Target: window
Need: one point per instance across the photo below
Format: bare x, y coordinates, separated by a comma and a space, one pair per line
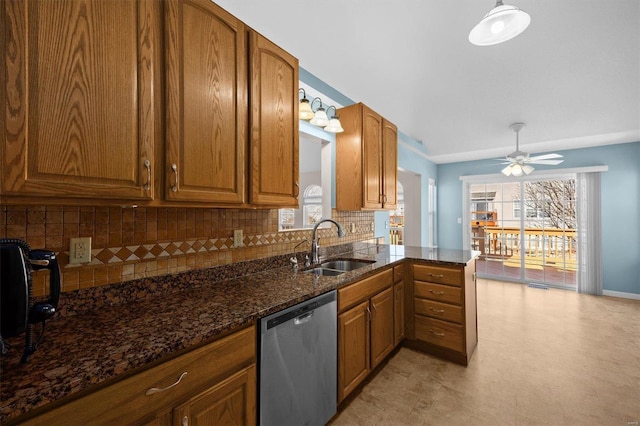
312, 205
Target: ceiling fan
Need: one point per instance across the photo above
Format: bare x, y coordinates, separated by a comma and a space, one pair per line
520, 162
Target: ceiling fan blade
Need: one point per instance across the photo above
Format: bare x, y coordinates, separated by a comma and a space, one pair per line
549, 162
500, 159
545, 157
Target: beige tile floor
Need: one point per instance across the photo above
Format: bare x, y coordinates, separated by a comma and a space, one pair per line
544, 357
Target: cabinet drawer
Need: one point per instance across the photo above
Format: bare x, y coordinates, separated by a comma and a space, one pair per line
398, 273
438, 274
357, 292
440, 333
125, 402
440, 293
439, 310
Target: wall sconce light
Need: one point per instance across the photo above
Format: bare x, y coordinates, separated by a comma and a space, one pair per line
334, 125
320, 118
304, 110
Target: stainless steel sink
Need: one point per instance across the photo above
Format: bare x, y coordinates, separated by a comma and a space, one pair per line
346, 265
324, 271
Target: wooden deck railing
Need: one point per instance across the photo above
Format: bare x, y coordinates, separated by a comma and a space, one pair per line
549, 245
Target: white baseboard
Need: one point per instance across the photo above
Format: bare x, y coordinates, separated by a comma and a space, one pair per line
622, 294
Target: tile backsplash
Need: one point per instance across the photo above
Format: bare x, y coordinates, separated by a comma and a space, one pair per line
133, 243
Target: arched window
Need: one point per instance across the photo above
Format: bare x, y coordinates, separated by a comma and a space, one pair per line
312, 205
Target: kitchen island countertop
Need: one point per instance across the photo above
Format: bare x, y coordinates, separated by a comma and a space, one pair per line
97, 347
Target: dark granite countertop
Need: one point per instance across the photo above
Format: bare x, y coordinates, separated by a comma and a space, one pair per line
81, 349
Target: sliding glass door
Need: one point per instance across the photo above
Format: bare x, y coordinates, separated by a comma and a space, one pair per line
525, 230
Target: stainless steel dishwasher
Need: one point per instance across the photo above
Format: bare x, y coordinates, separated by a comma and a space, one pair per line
298, 364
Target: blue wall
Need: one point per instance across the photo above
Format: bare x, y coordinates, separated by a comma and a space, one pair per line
620, 207
408, 158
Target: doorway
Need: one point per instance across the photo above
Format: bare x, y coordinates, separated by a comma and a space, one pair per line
409, 211
525, 230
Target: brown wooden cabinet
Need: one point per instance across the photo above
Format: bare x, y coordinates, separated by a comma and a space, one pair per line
273, 124
214, 384
80, 100
366, 160
84, 116
398, 304
444, 308
206, 86
365, 329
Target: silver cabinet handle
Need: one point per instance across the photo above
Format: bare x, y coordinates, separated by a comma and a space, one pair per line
435, 333
375, 311
369, 312
185, 421
439, 293
174, 167
437, 311
297, 189
147, 165
436, 275
158, 390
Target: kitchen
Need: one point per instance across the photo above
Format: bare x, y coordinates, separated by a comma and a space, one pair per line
159, 213
147, 231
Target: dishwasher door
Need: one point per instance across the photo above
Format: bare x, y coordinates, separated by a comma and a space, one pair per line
298, 364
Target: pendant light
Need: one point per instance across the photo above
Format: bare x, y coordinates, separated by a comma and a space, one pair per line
502, 23
334, 125
320, 118
304, 110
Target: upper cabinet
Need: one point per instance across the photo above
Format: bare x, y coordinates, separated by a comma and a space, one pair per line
366, 160
206, 86
94, 110
274, 124
80, 114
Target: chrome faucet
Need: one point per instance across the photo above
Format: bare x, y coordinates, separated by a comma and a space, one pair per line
314, 239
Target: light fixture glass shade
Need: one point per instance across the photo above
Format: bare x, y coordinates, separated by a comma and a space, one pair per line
304, 110
502, 23
516, 169
320, 118
334, 125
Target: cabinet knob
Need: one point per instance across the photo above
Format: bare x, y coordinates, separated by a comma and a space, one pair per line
174, 187
147, 165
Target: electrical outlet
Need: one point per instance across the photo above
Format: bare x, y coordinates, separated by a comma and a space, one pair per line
373, 226
237, 238
353, 228
80, 250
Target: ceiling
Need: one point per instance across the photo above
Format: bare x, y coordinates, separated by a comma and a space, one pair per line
573, 76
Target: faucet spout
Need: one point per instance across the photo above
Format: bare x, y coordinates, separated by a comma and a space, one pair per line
314, 240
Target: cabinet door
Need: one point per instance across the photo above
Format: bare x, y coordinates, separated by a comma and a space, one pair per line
382, 332
79, 98
353, 348
389, 165
372, 159
206, 103
274, 125
398, 312
231, 402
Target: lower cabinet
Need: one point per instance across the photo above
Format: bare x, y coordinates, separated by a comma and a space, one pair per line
444, 308
214, 384
398, 303
365, 329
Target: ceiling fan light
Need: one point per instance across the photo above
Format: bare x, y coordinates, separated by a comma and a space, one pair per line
502, 23
516, 170
527, 169
507, 170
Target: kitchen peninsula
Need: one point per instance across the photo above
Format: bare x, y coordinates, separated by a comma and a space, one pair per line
105, 336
